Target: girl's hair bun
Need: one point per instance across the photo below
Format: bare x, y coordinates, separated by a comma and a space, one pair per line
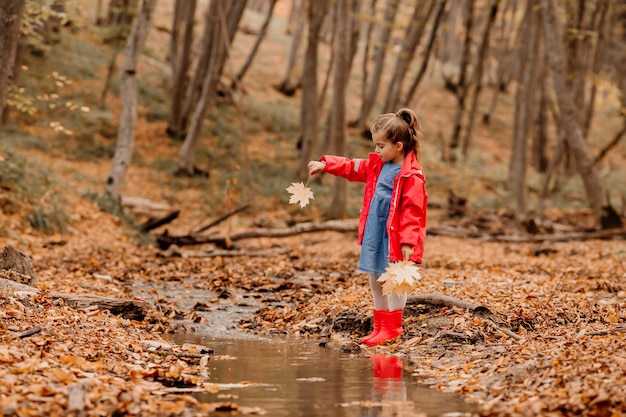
407, 115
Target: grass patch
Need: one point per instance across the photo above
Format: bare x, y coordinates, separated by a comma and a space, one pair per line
29, 188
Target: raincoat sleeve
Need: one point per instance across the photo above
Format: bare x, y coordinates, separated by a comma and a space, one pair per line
354, 170
412, 227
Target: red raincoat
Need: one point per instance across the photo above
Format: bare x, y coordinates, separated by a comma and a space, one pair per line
406, 224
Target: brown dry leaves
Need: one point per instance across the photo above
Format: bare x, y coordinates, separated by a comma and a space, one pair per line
565, 308
83, 360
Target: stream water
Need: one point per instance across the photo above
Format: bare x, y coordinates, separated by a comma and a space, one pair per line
294, 378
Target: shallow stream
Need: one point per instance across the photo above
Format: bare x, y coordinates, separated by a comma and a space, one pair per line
295, 378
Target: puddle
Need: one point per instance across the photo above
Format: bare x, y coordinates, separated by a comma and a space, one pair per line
294, 378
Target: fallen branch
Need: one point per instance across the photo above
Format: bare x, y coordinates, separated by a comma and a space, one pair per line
130, 309
154, 223
563, 237
617, 329
445, 300
220, 219
165, 240
27, 333
476, 309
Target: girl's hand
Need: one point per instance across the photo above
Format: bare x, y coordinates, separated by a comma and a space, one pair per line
407, 251
315, 167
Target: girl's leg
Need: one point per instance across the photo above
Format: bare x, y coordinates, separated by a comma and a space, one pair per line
381, 302
397, 302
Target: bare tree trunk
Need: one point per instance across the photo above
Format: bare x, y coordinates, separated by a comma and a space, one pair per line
413, 35
288, 86
523, 111
121, 12
539, 159
434, 31
128, 117
180, 60
224, 26
337, 119
10, 18
460, 87
478, 76
316, 11
598, 26
604, 215
98, 19
621, 68
508, 30
366, 37
107, 79
384, 34
266, 23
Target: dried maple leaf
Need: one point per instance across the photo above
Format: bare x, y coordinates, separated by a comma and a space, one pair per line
300, 194
399, 277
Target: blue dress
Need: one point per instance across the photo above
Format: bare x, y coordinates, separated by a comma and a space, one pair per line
375, 245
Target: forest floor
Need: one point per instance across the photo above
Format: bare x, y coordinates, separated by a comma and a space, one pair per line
542, 332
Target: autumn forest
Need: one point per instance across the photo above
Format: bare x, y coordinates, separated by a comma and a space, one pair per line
148, 146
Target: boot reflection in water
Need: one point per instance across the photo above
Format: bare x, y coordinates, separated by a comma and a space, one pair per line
388, 388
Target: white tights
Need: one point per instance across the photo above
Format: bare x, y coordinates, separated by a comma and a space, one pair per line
385, 302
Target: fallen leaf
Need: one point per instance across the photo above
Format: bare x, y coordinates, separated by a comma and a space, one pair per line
300, 194
399, 277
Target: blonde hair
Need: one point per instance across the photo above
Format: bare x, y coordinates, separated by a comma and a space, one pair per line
401, 126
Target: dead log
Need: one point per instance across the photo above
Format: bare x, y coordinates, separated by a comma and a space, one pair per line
616, 329
165, 240
28, 332
444, 300
129, 309
158, 222
16, 266
476, 309
220, 219
563, 237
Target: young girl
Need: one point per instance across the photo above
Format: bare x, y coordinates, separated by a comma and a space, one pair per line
392, 224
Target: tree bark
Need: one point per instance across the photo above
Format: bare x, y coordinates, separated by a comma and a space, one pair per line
244, 68
460, 86
10, 18
180, 60
434, 31
478, 75
316, 10
384, 34
224, 26
288, 86
525, 99
503, 57
126, 130
413, 35
337, 115
569, 118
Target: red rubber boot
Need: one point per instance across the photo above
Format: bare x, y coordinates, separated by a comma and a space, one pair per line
391, 328
378, 317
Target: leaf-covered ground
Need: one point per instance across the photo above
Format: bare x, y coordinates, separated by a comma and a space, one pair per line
553, 343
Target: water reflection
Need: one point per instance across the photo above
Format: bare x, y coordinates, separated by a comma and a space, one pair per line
389, 391
292, 378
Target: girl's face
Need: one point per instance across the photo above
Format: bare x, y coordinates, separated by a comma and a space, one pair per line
387, 150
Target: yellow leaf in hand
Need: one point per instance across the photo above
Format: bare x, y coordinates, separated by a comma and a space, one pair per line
300, 194
399, 277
